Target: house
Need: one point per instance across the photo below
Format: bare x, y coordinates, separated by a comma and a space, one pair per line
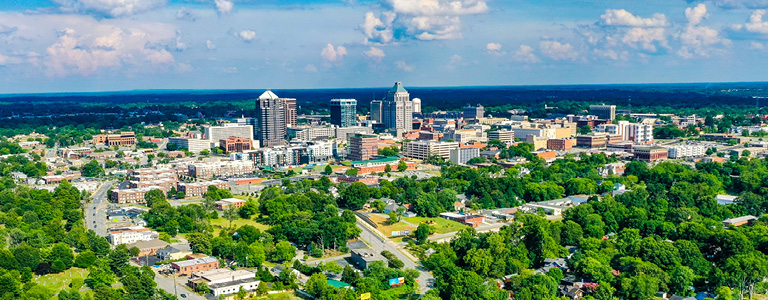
726, 199
173, 253
187, 267
364, 257
224, 204
467, 219
736, 222
224, 281
458, 206
148, 247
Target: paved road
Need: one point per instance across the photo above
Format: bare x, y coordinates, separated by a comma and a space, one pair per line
166, 283
379, 243
327, 259
96, 211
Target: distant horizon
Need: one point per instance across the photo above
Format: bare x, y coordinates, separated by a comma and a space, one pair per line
150, 91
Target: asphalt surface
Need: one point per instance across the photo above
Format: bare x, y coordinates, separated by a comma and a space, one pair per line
379, 243
96, 211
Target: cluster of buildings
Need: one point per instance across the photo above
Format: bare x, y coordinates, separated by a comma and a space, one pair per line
141, 181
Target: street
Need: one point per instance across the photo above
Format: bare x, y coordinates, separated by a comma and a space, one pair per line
96, 211
379, 244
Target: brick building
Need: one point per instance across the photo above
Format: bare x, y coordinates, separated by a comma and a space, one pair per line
197, 189
651, 154
560, 144
363, 146
122, 139
235, 144
187, 267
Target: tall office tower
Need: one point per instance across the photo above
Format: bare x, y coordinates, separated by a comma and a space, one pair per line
376, 110
603, 112
363, 146
416, 105
397, 109
270, 119
344, 112
290, 111
474, 112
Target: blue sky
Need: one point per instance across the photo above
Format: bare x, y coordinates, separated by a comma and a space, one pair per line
103, 45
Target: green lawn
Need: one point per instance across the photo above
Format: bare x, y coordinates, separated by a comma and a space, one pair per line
386, 228
57, 282
440, 226
242, 197
222, 223
400, 292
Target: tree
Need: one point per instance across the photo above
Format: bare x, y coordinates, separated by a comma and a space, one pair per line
328, 170
202, 288
393, 217
317, 284
205, 152
249, 209
284, 251
263, 289
387, 168
682, 281
63, 252
422, 232
154, 196
355, 195
231, 214
200, 242
85, 259
584, 130
92, 169
389, 151
402, 166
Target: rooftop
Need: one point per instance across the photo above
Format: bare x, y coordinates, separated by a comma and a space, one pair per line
268, 95
197, 261
398, 88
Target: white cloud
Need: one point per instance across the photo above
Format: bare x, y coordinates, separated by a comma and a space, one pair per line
229, 70
612, 54
110, 8
247, 35
456, 59
756, 23
420, 19
224, 7
331, 53
731, 4
401, 65
86, 54
558, 51
210, 45
378, 29
493, 47
696, 14
185, 14
375, 53
525, 54
648, 38
310, 68
621, 17
756, 46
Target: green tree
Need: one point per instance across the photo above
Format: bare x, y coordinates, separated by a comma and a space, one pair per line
584, 130
328, 170
402, 166
284, 251
422, 232
317, 285
92, 169
681, 281
63, 253
355, 195
231, 214
154, 196
387, 168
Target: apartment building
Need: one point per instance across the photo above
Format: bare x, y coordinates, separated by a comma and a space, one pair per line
682, 151
191, 144
197, 189
424, 149
363, 147
220, 169
461, 156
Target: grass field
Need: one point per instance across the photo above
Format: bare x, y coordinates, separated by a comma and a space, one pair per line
399, 293
57, 282
440, 226
223, 223
387, 229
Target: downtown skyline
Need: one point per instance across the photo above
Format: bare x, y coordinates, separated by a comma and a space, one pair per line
103, 45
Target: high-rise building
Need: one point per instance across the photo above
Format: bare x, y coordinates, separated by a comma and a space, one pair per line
270, 119
474, 112
603, 112
376, 111
363, 146
416, 105
217, 133
344, 112
397, 109
290, 111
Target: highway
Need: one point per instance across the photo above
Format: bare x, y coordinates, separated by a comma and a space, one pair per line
96, 211
379, 243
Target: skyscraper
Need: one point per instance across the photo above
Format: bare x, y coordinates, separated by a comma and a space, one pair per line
376, 110
290, 111
271, 112
473, 112
344, 112
397, 109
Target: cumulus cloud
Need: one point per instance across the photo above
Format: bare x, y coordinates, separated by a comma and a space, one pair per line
621, 17
331, 53
85, 54
525, 54
401, 65
185, 14
224, 7
210, 45
310, 68
756, 23
647, 38
558, 51
696, 39
374, 53
419, 19
493, 47
247, 36
110, 8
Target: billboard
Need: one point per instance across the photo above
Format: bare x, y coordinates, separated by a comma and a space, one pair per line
397, 281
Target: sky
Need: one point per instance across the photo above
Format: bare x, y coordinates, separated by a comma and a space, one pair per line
107, 45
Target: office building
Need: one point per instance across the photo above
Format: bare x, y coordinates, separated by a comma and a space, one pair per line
416, 105
187, 267
291, 119
424, 149
474, 112
192, 145
641, 133
122, 139
208, 170
460, 156
227, 130
344, 112
560, 144
397, 110
346, 132
592, 140
603, 112
235, 144
271, 112
309, 133
681, 151
363, 146
650, 154
223, 282
505, 136
376, 111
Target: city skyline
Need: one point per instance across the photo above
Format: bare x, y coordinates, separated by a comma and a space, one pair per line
100, 45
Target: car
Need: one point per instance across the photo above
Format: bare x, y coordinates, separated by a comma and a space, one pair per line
183, 295
94, 221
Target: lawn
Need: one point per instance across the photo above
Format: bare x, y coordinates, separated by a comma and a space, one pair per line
57, 282
400, 292
243, 197
386, 228
223, 223
440, 226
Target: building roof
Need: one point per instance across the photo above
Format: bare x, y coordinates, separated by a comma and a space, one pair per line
149, 244
338, 284
197, 261
232, 283
398, 88
740, 219
268, 95
379, 160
